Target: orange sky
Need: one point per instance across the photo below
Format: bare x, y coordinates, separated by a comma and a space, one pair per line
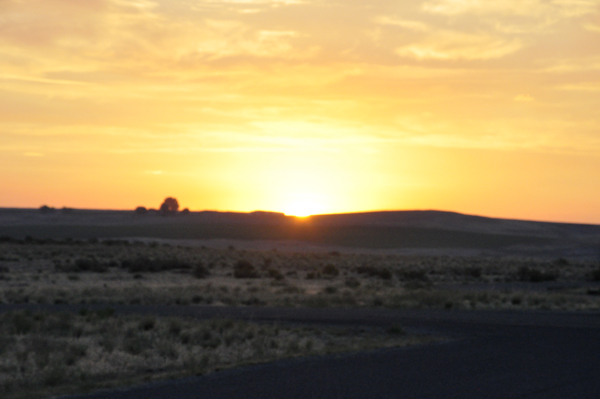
475, 106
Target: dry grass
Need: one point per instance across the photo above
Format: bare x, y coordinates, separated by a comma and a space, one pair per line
43, 354
118, 272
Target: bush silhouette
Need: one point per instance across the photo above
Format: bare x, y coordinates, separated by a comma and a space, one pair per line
45, 209
141, 210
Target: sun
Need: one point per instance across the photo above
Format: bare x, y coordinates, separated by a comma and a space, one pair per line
303, 205
300, 209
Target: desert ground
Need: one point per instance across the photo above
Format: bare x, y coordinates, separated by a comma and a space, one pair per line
124, 272
44, 353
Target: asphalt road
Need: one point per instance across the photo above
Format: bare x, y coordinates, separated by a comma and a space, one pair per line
492, 355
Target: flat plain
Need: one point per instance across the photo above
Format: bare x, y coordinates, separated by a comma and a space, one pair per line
156, 261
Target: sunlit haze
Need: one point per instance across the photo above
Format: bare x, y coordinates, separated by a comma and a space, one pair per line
303, 107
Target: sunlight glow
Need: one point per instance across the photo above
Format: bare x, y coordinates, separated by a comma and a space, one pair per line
303, 205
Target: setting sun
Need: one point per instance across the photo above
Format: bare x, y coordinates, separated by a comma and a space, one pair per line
299, 210
302, 205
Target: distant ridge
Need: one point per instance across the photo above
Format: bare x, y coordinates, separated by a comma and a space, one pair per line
455, 221
380, 229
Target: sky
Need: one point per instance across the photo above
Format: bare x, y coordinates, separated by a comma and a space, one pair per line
303, 107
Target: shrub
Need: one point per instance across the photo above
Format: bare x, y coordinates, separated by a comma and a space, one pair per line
54, 374
330, 290
147, 324
45, 209
396, 330
352, 283
385, 274
276, 274
534, 275
330, 270
22, 323
244, 269
144, 264
368, 270
136, 345
105, 313
89, 265
141, 210
473, 271
200, 271
372, 271
414, 275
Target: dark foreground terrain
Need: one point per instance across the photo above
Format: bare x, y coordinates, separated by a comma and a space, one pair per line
490, 355
161, 297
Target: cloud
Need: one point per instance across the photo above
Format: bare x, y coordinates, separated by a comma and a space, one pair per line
258, 2
533, 8
406, 24
592, 27
523, 98
227, 38
450, 45
454, 7
582, 87
131, 40
571, 65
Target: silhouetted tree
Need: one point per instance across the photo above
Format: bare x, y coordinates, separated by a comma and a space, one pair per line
169, 206
186, 211
141, 210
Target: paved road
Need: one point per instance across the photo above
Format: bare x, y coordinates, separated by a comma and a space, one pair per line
506, 355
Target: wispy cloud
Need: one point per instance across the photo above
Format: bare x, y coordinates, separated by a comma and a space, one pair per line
592, 27
403, 23
523, 98
449, 45
535, 8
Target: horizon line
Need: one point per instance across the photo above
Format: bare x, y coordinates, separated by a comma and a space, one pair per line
5, 208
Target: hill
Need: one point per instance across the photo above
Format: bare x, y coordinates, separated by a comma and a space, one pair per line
374, 230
